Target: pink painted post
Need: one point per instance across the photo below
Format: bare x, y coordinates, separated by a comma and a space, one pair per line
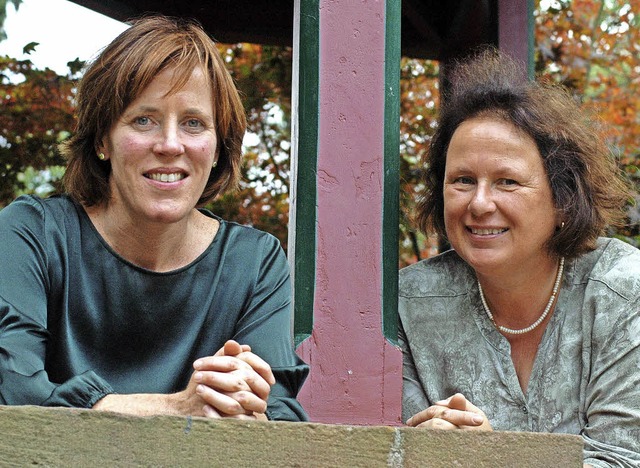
356, 374
515, 28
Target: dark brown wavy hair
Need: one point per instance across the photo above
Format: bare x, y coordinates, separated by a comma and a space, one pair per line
119, 75
589, 190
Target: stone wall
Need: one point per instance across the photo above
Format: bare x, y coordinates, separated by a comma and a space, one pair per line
73, 437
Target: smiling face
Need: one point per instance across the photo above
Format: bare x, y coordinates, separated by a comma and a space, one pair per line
161, 150
498, 205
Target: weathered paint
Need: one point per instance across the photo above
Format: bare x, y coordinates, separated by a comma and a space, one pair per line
355, 372
345, 200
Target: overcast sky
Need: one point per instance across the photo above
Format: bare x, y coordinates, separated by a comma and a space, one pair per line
65, 31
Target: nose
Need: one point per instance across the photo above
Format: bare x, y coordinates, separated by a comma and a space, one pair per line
169, 143
482, 200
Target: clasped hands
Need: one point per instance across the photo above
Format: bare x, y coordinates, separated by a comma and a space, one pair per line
233, 383
456, 412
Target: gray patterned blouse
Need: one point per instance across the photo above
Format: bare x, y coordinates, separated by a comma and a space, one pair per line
586, 375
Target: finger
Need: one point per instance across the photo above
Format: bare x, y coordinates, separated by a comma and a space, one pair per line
249, 401
259, 365
437, 423
462, 418
222, 381
425, 415
458, 402
245, 361
210, 412
231, 403
231, 348
220, 363
245, 379
244, 416
455, 398
256, 383
219, 401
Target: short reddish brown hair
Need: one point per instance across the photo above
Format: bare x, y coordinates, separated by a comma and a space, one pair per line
118, 76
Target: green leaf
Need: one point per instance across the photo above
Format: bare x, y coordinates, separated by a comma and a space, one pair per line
75, 66
30, 47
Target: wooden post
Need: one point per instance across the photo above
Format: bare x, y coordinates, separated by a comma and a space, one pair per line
515, 30
344, 219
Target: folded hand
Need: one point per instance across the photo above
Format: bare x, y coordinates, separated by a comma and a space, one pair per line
456, 412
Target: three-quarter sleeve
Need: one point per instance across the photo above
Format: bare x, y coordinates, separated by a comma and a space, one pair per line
414, 398
612, 400
265, 325
26, 281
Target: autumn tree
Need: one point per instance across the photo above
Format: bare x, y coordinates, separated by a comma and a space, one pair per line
263, 77
37, 114
420, 98
593, 48
590, 46
3, 14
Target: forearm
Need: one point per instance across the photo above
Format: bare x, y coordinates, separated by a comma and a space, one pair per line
144, 404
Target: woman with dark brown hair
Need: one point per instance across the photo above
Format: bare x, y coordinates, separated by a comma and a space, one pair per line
532, 321
122, 294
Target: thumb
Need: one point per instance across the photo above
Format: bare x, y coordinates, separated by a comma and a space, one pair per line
233, 348
458, 402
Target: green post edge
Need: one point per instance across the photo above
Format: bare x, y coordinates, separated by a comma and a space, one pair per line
391, 201
306, 182
531, 65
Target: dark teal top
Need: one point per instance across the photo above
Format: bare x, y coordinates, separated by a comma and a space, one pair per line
78, 321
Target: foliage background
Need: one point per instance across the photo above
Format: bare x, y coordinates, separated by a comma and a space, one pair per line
590, 46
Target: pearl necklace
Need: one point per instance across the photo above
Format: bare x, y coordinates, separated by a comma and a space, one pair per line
521, 331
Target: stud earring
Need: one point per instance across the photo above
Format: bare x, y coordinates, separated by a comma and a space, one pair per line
215, 163
101, 156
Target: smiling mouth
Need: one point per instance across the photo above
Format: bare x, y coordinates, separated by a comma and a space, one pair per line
166, 177
487, 232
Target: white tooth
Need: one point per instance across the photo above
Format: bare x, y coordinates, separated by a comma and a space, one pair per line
167, 177
484, 232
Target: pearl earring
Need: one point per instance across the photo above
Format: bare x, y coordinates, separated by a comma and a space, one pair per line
215, 163
101, 156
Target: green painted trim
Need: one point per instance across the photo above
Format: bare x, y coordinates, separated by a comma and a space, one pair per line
531, 25
391, 201
306, 180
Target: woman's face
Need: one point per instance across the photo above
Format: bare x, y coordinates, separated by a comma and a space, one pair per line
162, 149
498, 204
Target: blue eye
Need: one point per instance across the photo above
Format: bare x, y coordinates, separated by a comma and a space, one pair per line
142, 120
193, 123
